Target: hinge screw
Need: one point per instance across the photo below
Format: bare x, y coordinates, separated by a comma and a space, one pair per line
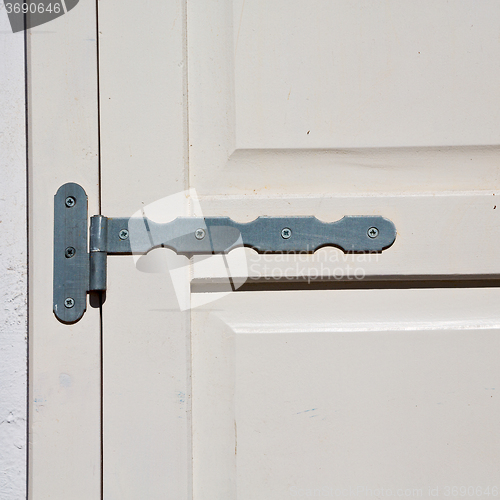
199, 234
69, 252
69, 302
123, 234
286, 232
70, 201
372, 232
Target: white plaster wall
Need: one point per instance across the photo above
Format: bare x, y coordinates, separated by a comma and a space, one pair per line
13, 265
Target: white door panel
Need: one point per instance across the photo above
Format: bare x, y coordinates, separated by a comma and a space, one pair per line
282, 88
330, 108
284, 108
146, 427
319, 390
64, 378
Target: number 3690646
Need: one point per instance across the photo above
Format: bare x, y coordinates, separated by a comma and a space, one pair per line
33, 8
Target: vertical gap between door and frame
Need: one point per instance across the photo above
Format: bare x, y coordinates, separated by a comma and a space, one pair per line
26, 130
99, 179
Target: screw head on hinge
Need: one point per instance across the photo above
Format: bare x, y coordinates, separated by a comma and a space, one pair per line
372, 232
286, 232
69, 302
123, 234
199, 234
69, 252
70, 201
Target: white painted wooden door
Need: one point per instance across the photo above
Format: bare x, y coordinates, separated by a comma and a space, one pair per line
325, 108
346, 393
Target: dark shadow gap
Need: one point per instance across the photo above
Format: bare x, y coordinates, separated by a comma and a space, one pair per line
26, 132
284, 284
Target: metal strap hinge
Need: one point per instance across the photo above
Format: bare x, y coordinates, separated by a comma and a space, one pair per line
78, 270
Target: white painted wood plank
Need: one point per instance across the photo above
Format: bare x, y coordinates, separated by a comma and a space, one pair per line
361, 74
343, 96
147, 449
319, 390
367, 171
365, 130
65, 458
437, 234
13, 265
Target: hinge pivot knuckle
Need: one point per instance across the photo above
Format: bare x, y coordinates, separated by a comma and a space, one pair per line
98, 253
